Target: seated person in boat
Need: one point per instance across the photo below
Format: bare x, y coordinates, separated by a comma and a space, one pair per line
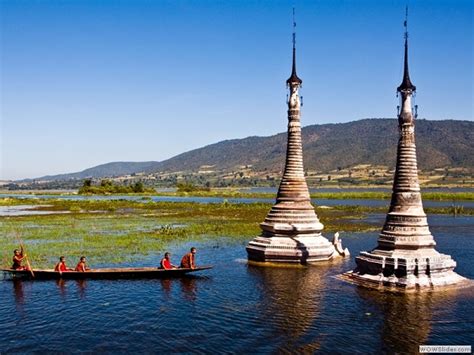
61, 266
18, 257
187, 261
166, 262
81, 265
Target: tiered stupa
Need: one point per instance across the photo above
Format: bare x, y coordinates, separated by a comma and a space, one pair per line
291, 231
405, 257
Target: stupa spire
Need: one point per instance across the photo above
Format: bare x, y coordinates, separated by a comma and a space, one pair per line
405, 256
291, 231
406, 82
293, 79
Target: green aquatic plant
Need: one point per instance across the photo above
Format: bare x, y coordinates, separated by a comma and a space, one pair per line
338, 195
117, 231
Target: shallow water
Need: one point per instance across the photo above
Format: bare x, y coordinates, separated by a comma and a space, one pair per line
358, 189
25, 210
238, 308
316, 201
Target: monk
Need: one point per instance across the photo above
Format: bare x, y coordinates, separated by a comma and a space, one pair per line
187, 261
81, 265
166, 262
61, 266
18, 257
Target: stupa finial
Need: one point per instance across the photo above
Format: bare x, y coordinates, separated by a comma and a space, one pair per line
406, 84
293, 79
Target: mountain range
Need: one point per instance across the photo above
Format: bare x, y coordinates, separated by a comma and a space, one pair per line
446, 143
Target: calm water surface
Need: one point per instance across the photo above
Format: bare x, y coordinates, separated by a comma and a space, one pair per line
358, 189
317, 201
240, 308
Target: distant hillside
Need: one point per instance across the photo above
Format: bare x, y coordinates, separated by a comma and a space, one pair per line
104, 170
329, 146
326, 147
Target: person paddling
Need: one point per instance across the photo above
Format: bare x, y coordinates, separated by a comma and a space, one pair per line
18, 257
166, 262
61, 266
187, 262
81, 265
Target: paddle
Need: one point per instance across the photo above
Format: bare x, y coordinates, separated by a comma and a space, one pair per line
24, 252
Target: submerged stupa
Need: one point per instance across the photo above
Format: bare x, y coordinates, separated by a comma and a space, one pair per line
291, 231
405, 257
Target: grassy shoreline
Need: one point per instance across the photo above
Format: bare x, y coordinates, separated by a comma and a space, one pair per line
118, 231
232, 193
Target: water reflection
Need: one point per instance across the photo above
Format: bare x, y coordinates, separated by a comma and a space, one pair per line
187, 285
61, 287
189, 288
18, 294
166, 285
291, 302
407, 318
81, 288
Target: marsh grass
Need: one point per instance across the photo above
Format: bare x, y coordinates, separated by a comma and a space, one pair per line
123, 231
339, 195
117, 231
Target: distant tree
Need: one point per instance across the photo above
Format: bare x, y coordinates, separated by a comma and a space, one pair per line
138, 187
87, 183
105, 182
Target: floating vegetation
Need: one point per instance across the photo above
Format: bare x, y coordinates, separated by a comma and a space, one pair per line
128, 231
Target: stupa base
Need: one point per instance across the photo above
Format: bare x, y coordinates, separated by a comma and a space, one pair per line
298, 249
420, 271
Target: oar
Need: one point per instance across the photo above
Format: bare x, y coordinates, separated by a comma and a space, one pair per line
26, 256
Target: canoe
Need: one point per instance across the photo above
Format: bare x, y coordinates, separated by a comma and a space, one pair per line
107, 273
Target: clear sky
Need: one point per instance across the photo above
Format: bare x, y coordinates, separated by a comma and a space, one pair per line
90, 82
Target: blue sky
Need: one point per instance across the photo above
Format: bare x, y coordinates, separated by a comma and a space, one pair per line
89, 82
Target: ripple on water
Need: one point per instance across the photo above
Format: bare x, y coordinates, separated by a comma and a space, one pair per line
237, 308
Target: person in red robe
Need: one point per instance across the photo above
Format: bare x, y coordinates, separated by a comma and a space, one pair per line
61, 266
166, 262
81, 265
18, 257
187, 262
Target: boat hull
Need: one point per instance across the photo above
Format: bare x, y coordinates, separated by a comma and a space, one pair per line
99, 274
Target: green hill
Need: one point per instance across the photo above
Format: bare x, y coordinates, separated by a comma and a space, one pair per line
330, 146
447, 143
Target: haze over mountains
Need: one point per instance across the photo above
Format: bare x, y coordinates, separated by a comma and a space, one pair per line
447, 143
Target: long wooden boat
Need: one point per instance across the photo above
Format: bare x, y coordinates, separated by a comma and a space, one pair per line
107, 273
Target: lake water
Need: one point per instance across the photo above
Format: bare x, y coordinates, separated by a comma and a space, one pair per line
358, 189
237, 308
317, 202
25, 210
